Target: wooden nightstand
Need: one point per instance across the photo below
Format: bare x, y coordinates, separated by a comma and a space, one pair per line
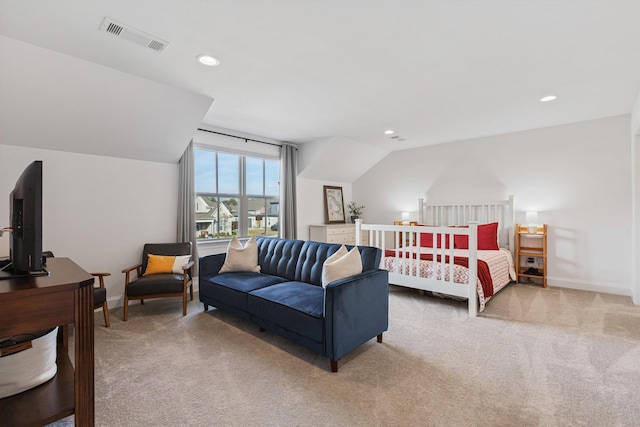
531, 255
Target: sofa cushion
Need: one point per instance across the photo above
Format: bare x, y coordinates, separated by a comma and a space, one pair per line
156, 284
159, 264
341, 264
233, 288
312, 258
370, 257
241, 258
170, 249
296, 306
179, 262
487, 238
313, 255
337, 255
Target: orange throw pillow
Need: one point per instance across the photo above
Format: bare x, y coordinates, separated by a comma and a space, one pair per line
158, 264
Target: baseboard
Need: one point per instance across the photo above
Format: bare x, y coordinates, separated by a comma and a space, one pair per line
585, 285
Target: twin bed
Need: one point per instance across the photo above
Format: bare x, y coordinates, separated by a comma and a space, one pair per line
449, 244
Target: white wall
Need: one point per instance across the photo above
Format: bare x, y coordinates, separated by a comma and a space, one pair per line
635, 252
577, 176
334, 157
635, 179
98, 211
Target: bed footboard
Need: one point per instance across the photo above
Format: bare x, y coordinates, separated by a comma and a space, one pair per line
406, 271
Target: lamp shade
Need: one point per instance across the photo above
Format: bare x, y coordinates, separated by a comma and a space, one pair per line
531, 217
405, 217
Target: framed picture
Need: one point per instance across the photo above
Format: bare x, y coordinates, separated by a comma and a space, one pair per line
333, 205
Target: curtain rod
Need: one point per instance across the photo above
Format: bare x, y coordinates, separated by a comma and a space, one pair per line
245, 139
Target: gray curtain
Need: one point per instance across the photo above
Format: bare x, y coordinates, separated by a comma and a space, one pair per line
186, 204
288, 172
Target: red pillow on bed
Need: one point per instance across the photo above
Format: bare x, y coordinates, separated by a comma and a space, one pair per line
426, 240
487, 238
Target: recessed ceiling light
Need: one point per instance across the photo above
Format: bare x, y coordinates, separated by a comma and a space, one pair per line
208, 60
388, 132
548, 98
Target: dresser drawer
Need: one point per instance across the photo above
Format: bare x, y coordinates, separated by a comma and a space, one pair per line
345, 239
334, 231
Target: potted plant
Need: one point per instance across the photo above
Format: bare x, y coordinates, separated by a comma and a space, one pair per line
354, 210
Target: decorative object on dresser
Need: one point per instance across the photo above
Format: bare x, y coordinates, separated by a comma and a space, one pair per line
531, 254
477, 236
337, 233
333, 205
355, 211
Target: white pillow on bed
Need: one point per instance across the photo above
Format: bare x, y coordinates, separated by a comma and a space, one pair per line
241, 258
341, 264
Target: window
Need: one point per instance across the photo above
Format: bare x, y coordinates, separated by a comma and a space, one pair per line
236, 195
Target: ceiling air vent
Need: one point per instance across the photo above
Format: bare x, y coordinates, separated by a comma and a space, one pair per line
136, 36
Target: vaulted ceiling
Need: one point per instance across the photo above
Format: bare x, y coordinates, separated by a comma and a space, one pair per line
300, 71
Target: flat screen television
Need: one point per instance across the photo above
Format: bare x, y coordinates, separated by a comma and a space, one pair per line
25, 212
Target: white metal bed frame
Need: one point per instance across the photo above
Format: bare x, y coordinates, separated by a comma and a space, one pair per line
439, 218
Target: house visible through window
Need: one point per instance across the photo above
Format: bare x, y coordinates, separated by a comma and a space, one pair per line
236, 195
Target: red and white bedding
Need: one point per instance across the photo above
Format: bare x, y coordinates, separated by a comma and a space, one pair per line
499, 262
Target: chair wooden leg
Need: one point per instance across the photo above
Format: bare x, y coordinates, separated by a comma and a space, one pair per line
206, 307
191, 291
125, 316
184, 303
105, 311
380, 338
334, 365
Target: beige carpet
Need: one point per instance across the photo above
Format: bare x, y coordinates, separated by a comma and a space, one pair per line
535, 357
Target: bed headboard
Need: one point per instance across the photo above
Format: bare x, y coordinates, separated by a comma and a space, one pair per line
444, 214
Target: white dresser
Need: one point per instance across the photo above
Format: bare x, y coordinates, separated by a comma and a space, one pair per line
337, 233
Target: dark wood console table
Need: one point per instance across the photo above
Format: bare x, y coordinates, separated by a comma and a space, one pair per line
63, 297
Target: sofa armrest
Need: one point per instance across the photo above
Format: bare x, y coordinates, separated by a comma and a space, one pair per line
211, 264
356, 310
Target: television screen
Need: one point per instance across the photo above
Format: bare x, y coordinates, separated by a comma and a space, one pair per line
25, 207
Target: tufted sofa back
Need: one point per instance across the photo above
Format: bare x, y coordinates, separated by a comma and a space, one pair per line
302, 261
278, 257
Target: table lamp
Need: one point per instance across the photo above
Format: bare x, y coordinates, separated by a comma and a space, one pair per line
531, 217
405, 218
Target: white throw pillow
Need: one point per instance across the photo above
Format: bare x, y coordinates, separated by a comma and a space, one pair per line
241, 258
178, 262
335, 268
342, 251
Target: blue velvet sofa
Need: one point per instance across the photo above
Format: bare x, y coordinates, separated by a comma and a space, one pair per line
287, 297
